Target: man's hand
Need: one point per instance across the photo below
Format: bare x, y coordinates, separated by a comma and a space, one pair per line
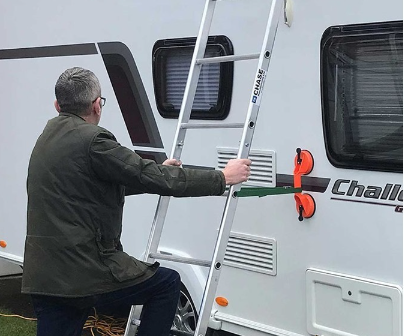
237, 171
172, 162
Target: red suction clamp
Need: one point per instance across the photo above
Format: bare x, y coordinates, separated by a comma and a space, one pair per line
305, 204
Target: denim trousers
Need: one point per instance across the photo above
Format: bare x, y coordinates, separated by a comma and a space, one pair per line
159, 296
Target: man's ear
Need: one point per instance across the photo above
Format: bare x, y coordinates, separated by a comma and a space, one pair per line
57, 107
97, 107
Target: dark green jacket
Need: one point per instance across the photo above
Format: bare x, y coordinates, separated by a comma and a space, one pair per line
76, 184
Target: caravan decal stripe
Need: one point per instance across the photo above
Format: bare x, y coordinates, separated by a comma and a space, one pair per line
130, 94
125, 80
317, 184
49, 51
159, 157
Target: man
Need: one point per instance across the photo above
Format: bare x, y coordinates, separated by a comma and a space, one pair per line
78, 176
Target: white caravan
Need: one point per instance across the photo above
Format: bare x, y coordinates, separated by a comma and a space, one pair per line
334, 88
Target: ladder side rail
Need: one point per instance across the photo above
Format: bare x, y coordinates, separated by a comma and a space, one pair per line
157, 227
130, 330
184, 116
217, 262
263, 63
133, 320
193, 78
231, 202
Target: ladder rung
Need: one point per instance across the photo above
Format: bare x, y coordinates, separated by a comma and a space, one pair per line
230, 58
174, 332
210, 125
182, 260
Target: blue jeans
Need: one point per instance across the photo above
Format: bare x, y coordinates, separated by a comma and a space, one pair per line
159, 296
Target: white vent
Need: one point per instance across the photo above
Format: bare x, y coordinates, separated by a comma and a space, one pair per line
263, 167
251, 253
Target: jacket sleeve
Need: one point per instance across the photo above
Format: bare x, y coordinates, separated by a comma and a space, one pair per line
117, 164
131, 191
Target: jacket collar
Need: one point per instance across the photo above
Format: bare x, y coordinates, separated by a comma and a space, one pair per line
69, 114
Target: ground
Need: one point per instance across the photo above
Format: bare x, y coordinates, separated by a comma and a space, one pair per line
13, 302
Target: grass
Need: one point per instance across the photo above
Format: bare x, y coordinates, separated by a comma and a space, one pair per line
13, 302
15, 326
12, 326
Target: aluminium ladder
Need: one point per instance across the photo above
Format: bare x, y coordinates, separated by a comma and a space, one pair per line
245, 144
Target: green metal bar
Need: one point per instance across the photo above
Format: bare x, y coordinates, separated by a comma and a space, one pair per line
261, 192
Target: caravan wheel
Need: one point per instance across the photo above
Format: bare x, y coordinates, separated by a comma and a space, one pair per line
186, 316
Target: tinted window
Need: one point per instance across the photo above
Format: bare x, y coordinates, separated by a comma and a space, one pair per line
171, 63
362, 92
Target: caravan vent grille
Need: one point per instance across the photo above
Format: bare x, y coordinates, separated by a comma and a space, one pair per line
251, 253
262, 167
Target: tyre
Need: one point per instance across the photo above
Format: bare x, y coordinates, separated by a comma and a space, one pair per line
186, 316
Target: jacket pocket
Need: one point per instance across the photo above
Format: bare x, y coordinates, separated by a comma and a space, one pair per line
123, 267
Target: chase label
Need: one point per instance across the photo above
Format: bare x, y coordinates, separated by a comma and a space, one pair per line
258, 86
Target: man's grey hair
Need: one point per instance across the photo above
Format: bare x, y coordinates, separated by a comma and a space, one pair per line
76, 89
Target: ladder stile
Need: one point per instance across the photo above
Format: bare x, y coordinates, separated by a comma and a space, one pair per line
157, 228
184, 116
245, 145
244, 150
193, 77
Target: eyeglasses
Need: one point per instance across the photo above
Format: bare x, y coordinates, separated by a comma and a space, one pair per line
102, 101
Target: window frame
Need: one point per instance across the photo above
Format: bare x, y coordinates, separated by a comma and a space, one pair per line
355, 30
222, 109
